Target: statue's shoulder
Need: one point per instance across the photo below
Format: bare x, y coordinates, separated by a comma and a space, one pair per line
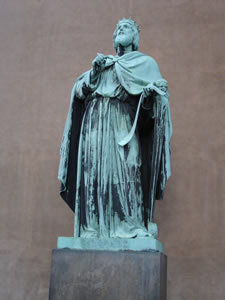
148, 58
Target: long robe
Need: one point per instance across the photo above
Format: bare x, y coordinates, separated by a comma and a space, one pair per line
112, 179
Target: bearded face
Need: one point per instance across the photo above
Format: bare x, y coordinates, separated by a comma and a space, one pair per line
125, 34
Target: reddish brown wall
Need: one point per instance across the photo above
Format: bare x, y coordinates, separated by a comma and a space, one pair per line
44, 46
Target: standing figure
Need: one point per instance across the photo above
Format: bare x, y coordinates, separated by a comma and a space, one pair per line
115, 153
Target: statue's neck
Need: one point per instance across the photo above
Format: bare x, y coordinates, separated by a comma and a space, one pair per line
121, 50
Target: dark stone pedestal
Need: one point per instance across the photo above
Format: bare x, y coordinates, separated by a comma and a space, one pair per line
119, 275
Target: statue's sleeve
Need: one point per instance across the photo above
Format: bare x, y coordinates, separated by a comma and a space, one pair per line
159, 93
84, 86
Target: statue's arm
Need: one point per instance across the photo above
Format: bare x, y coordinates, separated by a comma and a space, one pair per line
85, 86
157, 90
88, 82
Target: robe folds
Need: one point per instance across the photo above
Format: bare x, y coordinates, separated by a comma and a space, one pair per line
115, 151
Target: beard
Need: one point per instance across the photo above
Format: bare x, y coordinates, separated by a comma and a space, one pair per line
124, 39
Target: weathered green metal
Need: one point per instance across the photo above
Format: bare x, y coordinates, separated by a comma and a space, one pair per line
112, 152
141, 244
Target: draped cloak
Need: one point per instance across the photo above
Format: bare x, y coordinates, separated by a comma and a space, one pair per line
134, 72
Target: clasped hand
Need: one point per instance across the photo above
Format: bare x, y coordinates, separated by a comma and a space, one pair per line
159, 86
98, 65
147, 91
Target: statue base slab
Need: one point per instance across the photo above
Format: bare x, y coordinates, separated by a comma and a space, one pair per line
136, 244
119, 275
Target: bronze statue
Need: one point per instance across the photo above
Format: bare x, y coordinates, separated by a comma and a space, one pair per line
115, 153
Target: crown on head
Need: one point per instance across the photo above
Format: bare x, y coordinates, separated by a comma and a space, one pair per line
131, 22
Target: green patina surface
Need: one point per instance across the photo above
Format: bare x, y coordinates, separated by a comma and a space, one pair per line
142, 244
109, 202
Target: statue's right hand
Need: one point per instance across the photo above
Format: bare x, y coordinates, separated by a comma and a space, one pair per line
98, 64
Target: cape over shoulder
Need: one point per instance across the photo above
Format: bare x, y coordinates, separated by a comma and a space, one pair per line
135, 71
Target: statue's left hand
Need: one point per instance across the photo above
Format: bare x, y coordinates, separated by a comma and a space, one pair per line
148, 91
159, 86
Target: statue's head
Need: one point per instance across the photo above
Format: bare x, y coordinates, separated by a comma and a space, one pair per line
126, 33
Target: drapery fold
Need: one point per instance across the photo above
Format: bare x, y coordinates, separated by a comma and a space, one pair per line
134, 71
